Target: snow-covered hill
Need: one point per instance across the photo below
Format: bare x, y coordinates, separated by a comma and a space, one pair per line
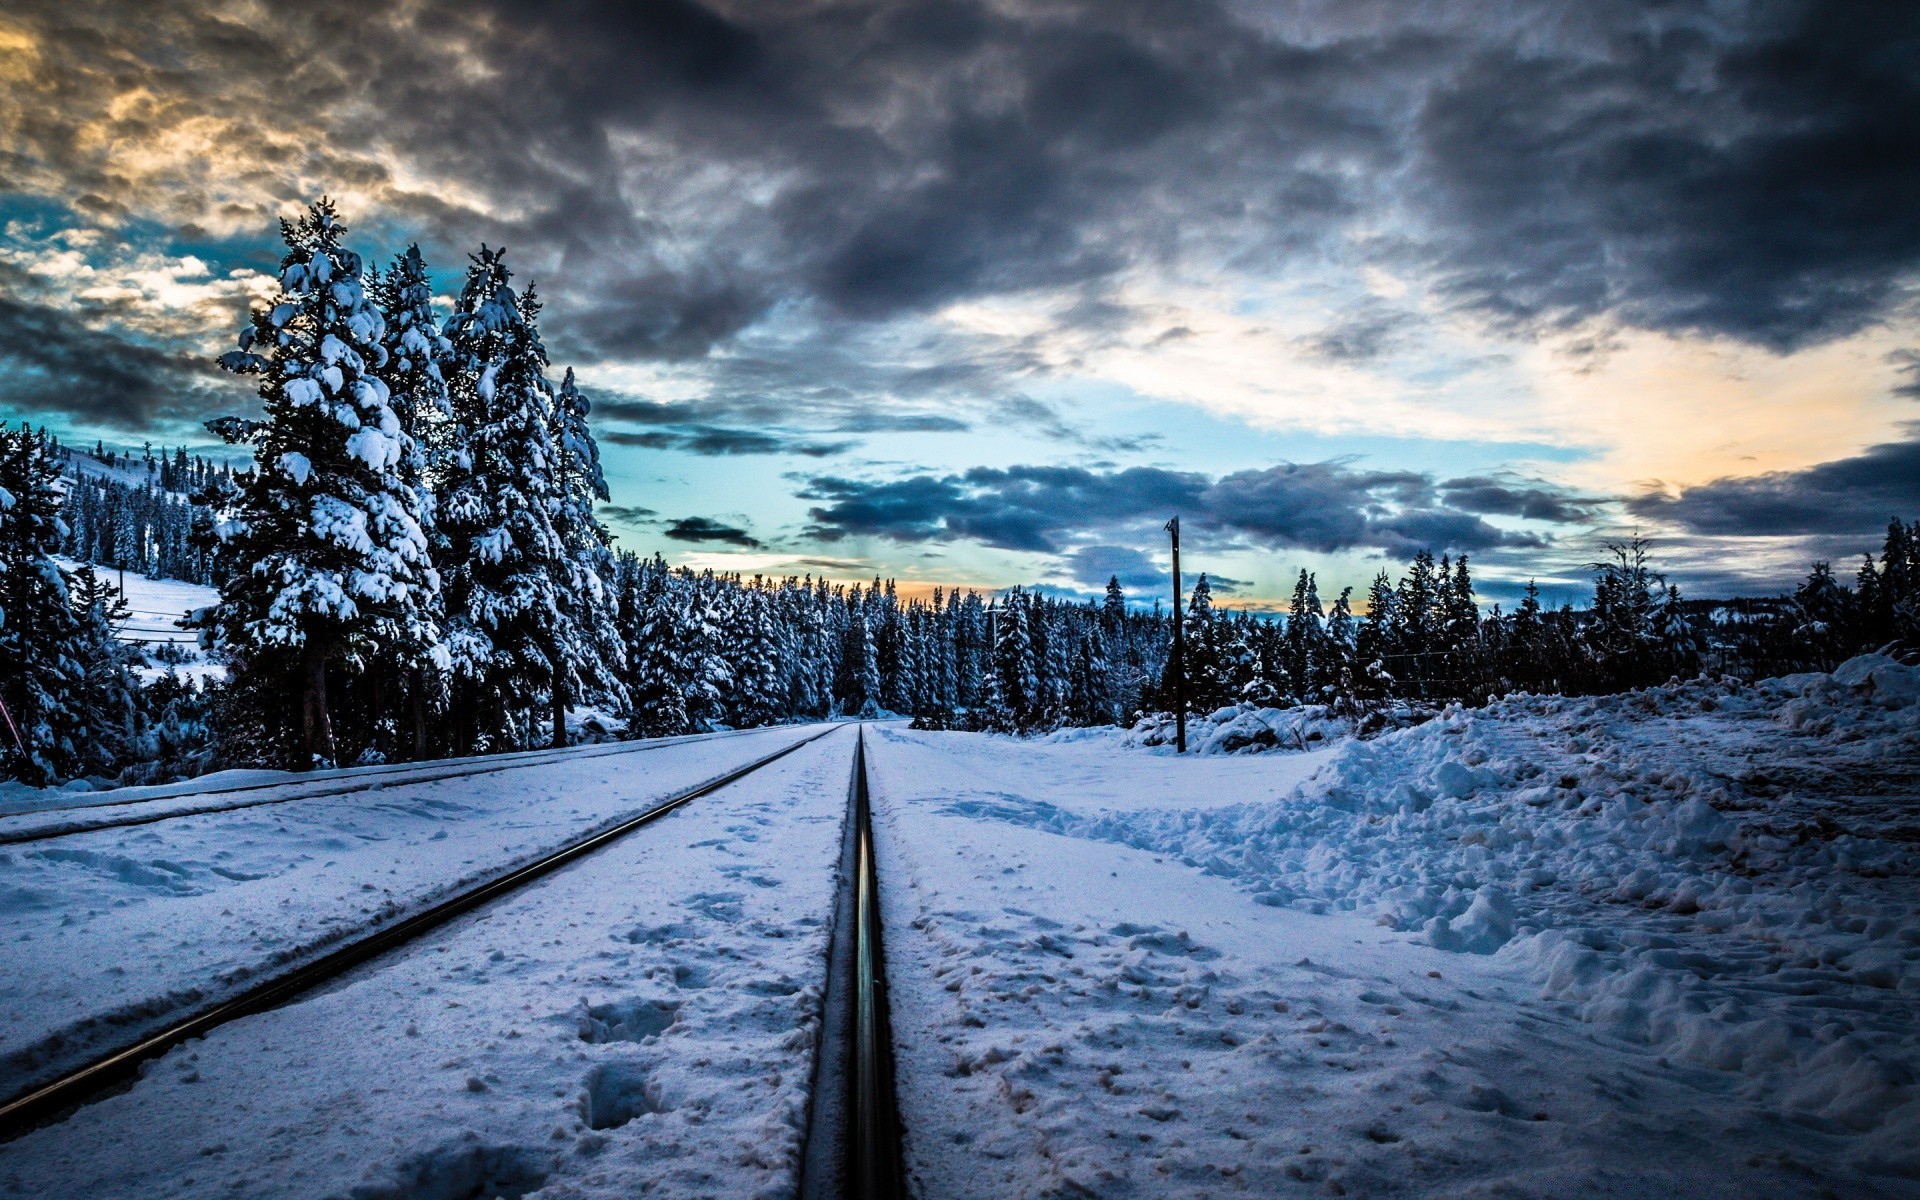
158, 605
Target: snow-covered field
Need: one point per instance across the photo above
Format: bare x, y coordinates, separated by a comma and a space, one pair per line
1662, 944
1659, 944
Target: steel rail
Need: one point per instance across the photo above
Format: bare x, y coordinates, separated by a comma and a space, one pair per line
27, 1110
374, 779
852, 1149
876, 1173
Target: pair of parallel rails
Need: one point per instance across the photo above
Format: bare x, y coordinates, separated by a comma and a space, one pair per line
853, 1147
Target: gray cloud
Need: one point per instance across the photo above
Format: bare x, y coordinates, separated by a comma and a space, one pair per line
50, 360
1361, 334
706, 529
1533, 499
714, 440
1678, 172
1314, 506
628, 514
1849, 496
1136, 571
778, 182
1908, 364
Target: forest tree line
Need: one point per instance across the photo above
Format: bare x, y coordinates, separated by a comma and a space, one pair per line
412, 568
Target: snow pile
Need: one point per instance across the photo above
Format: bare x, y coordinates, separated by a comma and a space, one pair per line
1727, 873
589, 725
1249, 729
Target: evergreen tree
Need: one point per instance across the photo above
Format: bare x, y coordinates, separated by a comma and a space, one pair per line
63, 678
586, 652
660, 670
503, 560
323, 563
1377, 640
1015, 683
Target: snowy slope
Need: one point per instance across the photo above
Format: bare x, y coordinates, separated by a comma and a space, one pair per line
640, 1023
157, 606
1680, 923
131, 472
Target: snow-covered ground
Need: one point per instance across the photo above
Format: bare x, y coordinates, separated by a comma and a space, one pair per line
1665, 943
106, 934
641, 1022
1657, 944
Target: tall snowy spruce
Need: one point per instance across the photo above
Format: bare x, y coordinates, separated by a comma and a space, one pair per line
592, 656
415, 349
68, 694
322, 564
527, 612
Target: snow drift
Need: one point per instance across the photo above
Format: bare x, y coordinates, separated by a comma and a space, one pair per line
1728, 873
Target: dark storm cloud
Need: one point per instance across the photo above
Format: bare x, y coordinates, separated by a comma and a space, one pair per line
674, 173
1019, 508
1533, 499
681, 177
713, 441
706, 529
1849, 496
50, 361
1314, 506
1680, 174
628, 514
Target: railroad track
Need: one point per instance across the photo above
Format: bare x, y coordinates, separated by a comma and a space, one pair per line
27, 1110
46, 824
853, 1142
853, 1126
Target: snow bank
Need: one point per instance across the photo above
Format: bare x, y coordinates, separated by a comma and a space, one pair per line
1727, 873
1249, 729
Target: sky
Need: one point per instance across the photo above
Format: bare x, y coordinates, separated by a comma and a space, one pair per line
980, 293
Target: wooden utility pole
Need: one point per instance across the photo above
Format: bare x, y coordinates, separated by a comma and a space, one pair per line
1179, 650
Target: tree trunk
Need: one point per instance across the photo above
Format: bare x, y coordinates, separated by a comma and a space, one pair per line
377, 709
559, 708
417, 691
315, 726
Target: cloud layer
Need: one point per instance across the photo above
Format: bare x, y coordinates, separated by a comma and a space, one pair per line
680, 174
1848, 496
1326, 507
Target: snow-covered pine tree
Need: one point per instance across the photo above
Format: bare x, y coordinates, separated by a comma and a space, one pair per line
323, 563
1303, 635
1092, 681
591, 656
1375, 642
1207, 684
1054, 662
1015, 682
756, 694
860, 693
416, 348
709, 675
1341, 634
658, 664
500, 555
63, 678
